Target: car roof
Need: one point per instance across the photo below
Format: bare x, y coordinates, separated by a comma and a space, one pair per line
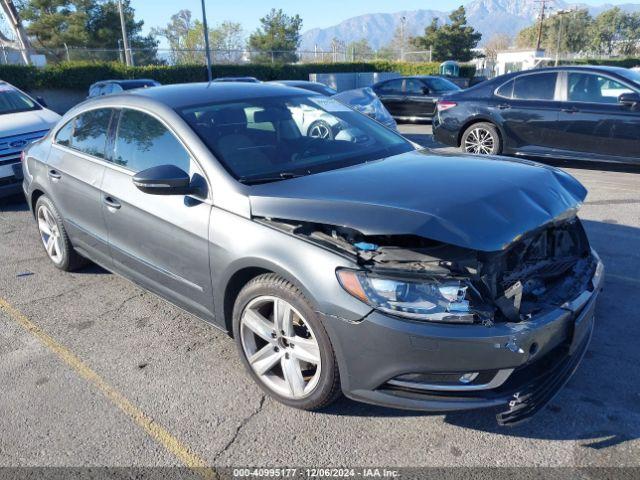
579, 68
185, 94
127, 82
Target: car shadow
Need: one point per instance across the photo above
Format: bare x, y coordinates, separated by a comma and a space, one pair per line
601, 403
14, 203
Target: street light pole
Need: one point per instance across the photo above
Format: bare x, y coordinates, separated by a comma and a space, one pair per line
206, 41
125, 39
560, 13
402, 23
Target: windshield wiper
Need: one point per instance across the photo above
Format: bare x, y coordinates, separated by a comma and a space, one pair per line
272, 178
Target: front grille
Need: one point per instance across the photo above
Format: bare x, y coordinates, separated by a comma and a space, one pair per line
12, 146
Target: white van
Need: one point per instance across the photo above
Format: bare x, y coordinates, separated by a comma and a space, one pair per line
22, 120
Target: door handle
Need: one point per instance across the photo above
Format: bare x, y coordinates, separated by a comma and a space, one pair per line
54, 175
504, 106
111, 202
569, 110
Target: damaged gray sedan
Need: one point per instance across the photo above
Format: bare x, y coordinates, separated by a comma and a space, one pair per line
351, 264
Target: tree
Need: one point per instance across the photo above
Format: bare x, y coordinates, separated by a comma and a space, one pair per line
105, 31
94, 24
278, 37
497, 43
615, 31
574, 28
186, 40
453, 40
227, 40
359, 50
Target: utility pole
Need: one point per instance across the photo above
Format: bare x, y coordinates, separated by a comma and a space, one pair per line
561, 14
403, 20
543, 6
206, 41
125, 38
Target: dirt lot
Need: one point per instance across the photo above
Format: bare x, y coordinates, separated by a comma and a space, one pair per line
96, 372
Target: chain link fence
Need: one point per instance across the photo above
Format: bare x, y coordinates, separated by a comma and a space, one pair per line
141, 57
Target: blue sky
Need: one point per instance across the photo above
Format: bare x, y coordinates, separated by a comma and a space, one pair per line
320, 13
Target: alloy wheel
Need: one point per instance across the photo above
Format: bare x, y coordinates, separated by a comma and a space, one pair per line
50, 234
280, 346
479, 140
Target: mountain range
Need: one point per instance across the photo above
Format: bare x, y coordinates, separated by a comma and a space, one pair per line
487, 16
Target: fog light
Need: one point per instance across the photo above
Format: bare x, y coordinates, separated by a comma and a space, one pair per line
468, 377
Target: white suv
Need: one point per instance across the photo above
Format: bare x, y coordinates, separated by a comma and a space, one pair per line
22, 121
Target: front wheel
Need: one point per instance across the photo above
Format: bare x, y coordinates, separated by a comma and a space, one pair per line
284, 345
481, 138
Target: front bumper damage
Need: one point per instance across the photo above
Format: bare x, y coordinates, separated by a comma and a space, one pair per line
532, 305
533, 359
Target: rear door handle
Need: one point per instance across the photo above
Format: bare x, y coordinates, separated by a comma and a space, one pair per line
111, 202
54, 175
569, 110
504, 106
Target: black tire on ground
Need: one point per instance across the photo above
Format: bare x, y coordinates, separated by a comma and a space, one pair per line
70, 259
481, 138
320, 129
327, 389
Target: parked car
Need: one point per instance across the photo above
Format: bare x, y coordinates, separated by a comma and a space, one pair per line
316, 87
412, 99
364, 100
356, 264
578, 113
22, 120
236, 79
107, 87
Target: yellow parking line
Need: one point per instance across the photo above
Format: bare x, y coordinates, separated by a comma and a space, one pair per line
155, 431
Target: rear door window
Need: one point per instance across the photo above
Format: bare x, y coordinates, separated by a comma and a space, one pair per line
143, 142
87, 132
538, 86
415, 87
392, 87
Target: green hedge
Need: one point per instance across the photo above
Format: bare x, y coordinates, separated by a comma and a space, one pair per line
79, 75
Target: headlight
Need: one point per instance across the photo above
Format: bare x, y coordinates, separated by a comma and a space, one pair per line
432, 300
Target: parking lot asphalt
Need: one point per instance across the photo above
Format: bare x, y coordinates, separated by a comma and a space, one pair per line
96, 372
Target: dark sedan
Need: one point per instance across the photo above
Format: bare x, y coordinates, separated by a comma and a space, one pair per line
412, 99
575, 113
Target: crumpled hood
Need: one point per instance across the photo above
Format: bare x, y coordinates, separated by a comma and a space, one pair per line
479, 203
26, 122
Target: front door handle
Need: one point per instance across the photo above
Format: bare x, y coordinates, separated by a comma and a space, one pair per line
504, 106
569, 110
54, 175
111, 202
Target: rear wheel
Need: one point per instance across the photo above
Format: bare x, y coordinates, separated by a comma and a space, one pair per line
283, 344
54, 237
481, 138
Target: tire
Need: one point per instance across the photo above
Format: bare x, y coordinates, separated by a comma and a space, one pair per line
285, 367
481, 138
54, 237
320, 129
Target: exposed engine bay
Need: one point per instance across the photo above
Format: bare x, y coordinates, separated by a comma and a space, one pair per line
541, 270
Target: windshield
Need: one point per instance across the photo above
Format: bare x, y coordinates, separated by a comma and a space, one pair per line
268, 139
14, 101
632, 75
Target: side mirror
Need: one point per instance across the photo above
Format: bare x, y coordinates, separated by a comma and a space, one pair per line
41, 101
629, 99
164, 180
